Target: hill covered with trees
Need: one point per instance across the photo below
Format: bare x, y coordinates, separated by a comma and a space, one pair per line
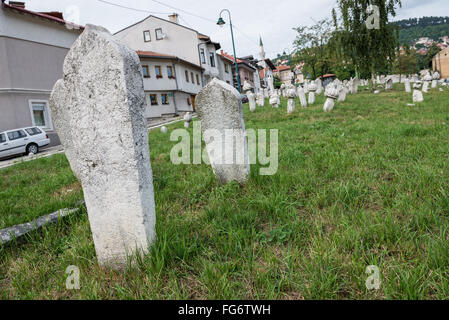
415, 28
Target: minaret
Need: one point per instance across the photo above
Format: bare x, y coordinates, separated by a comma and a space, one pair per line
262, 50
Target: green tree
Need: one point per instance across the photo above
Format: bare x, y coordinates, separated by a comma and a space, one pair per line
311, 47
427, 59
366, 36
407, 61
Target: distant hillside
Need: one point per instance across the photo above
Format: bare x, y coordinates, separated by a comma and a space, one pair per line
431, 27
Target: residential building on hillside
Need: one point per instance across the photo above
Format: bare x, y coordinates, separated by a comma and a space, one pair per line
168, 40
440, 63
246, 71
285, 74
170, 83
33, 47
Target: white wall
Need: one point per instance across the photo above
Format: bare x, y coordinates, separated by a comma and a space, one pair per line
26, 27
225, 76
153, 83
210, 72
160, 109
178, 90
183, 84
181, 42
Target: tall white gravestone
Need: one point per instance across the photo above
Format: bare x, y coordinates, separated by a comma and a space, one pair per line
219, 109
291, 93
408, 88
98, 111
302, 96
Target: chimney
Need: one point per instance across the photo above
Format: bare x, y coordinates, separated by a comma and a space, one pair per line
17, 4
174, 18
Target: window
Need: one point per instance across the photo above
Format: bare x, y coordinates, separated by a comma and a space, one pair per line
164, 98
159, 34
170, 72
2, 138
147, 36
187, 76
212, 59
39, 114
146, 71
153, 99
33, 131
226, 68
16, 135
203, 56
191, 77
158, 72
197, 80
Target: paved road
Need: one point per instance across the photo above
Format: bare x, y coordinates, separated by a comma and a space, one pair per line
59, 149
42, 154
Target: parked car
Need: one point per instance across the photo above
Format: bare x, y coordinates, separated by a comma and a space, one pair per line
245, 98
22, 141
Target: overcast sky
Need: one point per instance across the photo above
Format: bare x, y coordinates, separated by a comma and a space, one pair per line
272, 20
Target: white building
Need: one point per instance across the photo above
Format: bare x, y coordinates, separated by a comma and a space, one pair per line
166, 43
170, 84
33, 46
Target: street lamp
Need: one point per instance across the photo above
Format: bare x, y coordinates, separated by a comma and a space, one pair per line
221, 23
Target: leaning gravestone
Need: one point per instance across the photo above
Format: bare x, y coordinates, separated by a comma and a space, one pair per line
220, 111
98, 111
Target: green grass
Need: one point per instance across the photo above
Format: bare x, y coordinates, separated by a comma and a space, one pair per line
367, 184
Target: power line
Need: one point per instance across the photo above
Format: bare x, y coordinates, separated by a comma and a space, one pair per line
182, 10
129, 8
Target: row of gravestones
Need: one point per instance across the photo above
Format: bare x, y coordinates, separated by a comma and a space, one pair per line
98, 111
428, 81
336, 90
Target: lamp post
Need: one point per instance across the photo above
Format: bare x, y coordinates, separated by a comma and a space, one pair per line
221, 22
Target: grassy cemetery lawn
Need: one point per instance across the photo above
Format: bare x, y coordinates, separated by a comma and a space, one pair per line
367, 184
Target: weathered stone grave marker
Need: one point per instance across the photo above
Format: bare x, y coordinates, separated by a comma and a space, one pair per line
98, 111
219, 109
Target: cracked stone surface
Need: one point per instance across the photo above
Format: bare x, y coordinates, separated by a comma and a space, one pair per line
98, 111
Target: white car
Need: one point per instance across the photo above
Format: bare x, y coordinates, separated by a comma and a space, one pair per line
22, 141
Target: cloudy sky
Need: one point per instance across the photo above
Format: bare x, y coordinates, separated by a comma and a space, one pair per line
272, 20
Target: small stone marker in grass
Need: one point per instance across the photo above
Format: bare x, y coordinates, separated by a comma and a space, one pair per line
219, 109
417, 94
331, 93
98, 111
312, 89
291, 99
